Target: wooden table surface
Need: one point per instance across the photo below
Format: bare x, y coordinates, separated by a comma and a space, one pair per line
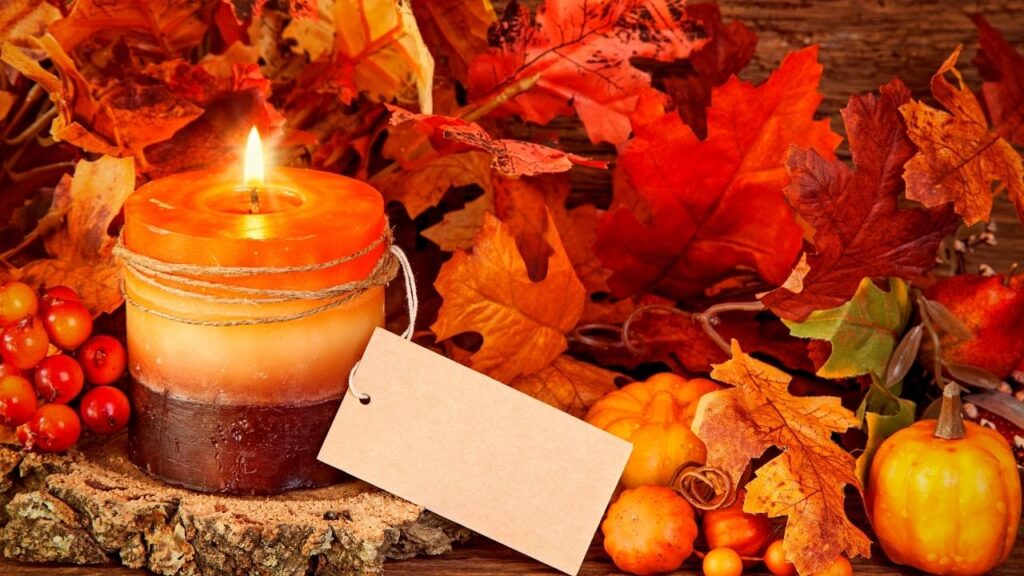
483, 557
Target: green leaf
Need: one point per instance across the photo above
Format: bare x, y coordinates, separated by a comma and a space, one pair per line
863, 332
879, 427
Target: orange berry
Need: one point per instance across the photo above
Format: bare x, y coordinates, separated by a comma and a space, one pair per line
722, 562
775, 560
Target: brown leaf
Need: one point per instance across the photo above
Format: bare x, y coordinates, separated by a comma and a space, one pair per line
806, 482
511, 157
960, 160
568, 384
422, 185
81, 250
523, 323
457, 229
861, 231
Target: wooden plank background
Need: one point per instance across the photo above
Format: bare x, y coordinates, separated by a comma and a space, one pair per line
863, 45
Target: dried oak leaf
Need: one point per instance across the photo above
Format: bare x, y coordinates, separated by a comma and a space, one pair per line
1002, 67
369, 47
688, 212
568, 384
729, 49
806, 481
456, 30
81, 250
581, 52
488, 291
959, 159
510, 157
166, 28
860, 229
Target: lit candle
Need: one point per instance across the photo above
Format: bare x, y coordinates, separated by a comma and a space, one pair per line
234, 382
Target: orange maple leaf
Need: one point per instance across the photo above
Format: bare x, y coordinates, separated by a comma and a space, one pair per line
960, 159
523, 323
163, 27
806, 482
81, 250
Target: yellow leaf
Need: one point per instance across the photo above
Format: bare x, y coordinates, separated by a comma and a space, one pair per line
568, 384
806, 482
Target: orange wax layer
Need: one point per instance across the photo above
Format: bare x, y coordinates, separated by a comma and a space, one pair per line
202, 218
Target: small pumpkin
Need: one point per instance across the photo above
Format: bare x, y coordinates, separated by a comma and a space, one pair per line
648, 530
731, 527
944, 495
655, 415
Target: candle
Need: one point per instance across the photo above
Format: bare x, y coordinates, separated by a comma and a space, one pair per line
239, 351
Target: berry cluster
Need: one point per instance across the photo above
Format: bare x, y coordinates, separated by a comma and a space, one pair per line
49, 353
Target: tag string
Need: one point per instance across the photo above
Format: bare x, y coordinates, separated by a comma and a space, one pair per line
412, 302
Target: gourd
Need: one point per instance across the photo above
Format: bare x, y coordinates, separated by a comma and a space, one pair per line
944, 495
648, 530
655, 415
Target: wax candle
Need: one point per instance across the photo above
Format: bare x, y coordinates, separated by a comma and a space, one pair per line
235, 379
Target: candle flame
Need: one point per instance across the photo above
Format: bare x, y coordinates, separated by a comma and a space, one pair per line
255, 176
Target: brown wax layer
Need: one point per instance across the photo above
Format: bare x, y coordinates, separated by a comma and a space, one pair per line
211, 447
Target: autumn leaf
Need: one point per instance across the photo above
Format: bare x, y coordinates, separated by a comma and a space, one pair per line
488, 291
523, 205
582, 52
1002, 67
806, 481
959, 159
455, 29
23, 20
883, 414
568, 384
422, 186
709, 207
510, 157
81, 250
863, 332
860, 229
728, 50
368, 47
164, 28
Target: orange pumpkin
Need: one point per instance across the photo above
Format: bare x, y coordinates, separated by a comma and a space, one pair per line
649, 529
731, 527
655, 415
944, 495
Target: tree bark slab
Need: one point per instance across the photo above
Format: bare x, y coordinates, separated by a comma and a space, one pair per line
94, 507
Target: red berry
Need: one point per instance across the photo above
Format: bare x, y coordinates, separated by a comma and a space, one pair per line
9, 370
55, 294
24, 344
17, 300
103, 359
53, 428
17, 400
68, 323
105, 410
59, 379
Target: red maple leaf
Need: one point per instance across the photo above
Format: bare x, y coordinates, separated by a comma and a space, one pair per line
1002, 67
860, 230
730, 48
581, 52
690, 212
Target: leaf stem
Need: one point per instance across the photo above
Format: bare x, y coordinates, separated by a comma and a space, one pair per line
950, 425
708, 319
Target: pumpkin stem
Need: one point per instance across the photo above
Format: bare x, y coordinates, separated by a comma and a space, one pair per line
951, 422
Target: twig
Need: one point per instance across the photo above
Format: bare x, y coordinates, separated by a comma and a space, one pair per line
22, 176
35, 93
709, 318
33, 128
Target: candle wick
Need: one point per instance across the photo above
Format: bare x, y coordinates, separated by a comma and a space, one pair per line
254, 200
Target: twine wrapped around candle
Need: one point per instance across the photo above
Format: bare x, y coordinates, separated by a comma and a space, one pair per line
160, 273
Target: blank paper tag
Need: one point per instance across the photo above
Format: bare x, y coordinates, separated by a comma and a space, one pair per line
475, 451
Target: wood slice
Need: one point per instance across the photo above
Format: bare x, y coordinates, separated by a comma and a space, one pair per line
94, 507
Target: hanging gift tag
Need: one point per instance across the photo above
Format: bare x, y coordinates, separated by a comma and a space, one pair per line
475, 451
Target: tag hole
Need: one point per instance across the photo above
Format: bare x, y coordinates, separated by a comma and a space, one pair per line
364, 400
